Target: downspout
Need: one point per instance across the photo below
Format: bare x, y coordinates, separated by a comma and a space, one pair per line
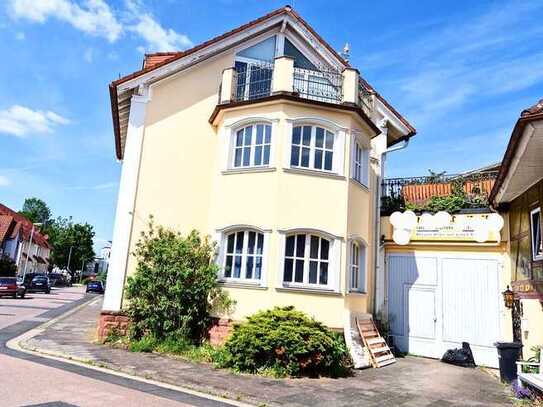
377, 227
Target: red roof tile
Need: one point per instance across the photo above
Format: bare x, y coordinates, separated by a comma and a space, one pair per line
6, 226
26, 225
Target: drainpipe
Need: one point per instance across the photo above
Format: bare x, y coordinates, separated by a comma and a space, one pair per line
377, 227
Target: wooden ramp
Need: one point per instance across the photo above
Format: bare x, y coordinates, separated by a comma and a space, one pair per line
380, 354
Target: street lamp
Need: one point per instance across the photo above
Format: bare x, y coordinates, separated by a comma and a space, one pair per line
29, 248
508, 297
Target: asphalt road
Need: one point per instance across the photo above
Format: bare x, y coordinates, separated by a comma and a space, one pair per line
28, 380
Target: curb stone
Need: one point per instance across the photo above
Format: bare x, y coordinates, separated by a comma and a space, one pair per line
19, 344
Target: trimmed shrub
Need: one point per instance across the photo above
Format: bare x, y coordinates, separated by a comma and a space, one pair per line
174, 288
286, 342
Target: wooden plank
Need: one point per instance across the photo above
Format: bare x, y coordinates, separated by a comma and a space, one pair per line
375, 344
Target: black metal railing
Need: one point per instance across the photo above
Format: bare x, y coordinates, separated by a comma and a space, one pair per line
322, 85
253, 81
400, 193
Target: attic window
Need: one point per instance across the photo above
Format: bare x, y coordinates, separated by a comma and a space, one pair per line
262, 51
537, 241
300, 60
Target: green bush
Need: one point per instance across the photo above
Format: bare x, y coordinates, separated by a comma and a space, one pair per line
174, 288
282, 342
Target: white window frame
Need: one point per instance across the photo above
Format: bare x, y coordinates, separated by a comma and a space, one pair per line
533, 232
334, 260
361, 266
227, 143
360, 164
222, 237
338, 156
252, 146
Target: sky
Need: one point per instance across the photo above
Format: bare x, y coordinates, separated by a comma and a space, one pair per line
459, 71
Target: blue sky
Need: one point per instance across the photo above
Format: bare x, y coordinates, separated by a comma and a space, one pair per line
460, 71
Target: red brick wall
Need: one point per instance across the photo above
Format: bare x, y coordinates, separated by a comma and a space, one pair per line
110, 321
220, 330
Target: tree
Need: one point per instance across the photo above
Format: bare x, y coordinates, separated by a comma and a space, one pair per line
36, 210
65, 234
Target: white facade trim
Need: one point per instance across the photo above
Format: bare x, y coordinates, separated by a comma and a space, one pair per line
126, 203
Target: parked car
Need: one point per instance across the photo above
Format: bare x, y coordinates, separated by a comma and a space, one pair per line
40, 283
95, 287
8, 286
57, 280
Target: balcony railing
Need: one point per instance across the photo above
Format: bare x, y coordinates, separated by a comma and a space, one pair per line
253, 81
323, 85
416, 192
250, 81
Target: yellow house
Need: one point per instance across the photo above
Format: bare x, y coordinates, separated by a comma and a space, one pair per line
518, 194
266, 139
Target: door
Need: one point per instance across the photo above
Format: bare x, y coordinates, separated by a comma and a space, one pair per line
437, 301
254, 79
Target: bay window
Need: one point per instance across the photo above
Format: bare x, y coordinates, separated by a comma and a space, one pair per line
357, 269
360, 163
251, 146
312, 147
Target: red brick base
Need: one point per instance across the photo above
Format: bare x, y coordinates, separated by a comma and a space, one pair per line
112, 321
220, 330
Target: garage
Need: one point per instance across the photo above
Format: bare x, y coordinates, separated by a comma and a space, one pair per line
439, 299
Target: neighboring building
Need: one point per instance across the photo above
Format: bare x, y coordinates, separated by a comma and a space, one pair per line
101, 262
444, 285
15, 234
269, 141
518, 194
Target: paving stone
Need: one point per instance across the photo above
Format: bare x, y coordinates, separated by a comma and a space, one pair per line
409, 382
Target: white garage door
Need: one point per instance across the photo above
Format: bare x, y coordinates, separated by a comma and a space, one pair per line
436, 302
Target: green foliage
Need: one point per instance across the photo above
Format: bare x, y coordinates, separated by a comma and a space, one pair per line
36, 210
286, 342
8, 268
63, 234
174, 288
102, 276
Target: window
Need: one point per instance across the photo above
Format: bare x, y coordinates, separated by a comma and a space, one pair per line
252, 146
360, 163
312, 147
537, 242
357, 267
243, 258
306, 260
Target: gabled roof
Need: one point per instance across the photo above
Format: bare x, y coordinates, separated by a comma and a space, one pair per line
157, 60
26, 226
528, 115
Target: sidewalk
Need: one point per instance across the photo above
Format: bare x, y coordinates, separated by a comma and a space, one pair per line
410, 382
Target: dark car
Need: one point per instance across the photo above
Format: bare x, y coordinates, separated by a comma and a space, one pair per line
95, 287
8, 286
57, 280
40, 284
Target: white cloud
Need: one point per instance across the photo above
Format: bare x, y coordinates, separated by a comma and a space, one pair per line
94, 17
157, 37
4, 181
98, 187
20, 121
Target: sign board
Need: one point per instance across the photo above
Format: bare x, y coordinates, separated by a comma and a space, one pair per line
462, 228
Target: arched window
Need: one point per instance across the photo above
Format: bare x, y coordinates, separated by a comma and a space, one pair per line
357, 267
307, 260
251, 146
312, 147
243, 255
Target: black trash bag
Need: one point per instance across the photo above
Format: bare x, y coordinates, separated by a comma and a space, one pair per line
460, 357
